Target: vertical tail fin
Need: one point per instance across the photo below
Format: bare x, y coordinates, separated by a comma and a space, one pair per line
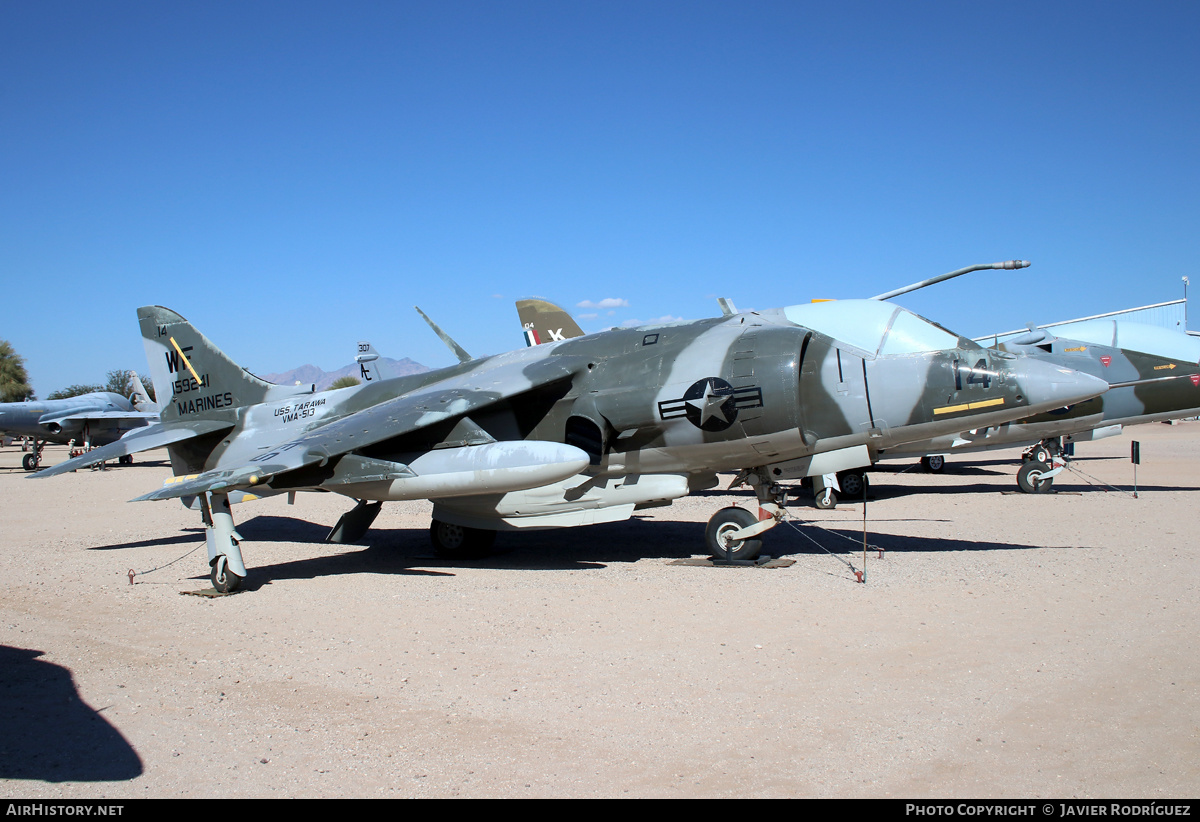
139, 397
545, 322
368, 363
193, 379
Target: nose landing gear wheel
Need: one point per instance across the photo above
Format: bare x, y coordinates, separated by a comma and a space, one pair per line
29, 462
717, 538
1029, 478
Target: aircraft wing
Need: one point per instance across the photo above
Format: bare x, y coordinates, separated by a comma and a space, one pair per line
137, 440
88, 416
452, 397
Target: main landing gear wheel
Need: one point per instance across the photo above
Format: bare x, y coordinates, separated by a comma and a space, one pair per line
933, 464
854, 485
29, 462
1029, 478
720, 545
224, 580
126, 459
459, 542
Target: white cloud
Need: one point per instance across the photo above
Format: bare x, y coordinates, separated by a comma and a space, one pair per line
607, 302
586, 316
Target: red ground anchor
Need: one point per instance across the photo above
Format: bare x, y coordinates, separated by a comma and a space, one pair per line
859, 574
132, 574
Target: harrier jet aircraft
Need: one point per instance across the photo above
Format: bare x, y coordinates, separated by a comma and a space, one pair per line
97, 418
584, 430
1153, 374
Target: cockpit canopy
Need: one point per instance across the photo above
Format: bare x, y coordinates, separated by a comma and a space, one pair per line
874, 327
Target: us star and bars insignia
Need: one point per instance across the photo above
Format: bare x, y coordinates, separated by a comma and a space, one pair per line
711, 404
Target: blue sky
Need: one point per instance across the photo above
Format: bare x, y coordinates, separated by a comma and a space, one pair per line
293, 177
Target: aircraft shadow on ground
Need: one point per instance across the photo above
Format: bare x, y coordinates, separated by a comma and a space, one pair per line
881, 489
52, 735
849, 540
408, 552
184, 537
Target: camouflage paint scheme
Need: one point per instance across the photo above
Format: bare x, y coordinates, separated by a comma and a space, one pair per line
1154, 377
544, 322
1132, 357
584, 430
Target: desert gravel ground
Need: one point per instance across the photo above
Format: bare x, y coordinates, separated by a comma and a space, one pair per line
1006, 645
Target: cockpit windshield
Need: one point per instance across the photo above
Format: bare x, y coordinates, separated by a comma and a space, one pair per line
874, 327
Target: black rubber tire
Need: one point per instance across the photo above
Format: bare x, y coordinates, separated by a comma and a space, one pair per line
724, 521
1029, 478
225, 583
934, 464
824, 504
854, 485
459, 542
29, 462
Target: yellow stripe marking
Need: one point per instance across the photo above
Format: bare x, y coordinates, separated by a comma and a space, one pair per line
172, 480
968, 406
185, 359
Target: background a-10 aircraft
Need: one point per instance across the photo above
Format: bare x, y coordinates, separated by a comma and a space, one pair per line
582, 430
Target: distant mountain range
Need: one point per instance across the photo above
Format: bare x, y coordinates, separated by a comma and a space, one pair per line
306, 374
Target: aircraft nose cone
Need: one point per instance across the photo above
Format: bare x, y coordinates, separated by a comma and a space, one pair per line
1046, 386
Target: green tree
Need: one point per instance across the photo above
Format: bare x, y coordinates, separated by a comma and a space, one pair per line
344, 382
74, 391
14, 382
119, 383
